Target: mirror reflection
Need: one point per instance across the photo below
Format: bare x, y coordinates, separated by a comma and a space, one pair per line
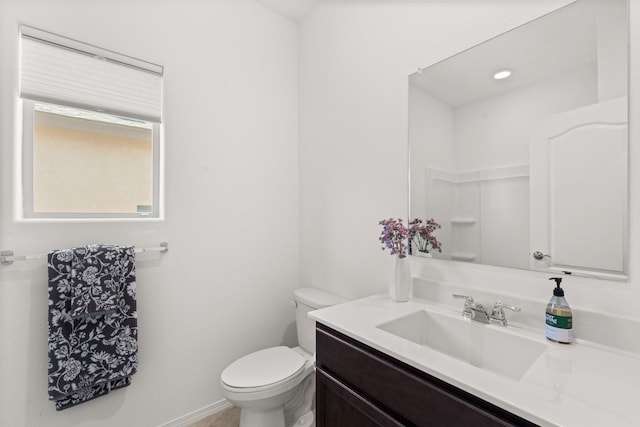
518, 146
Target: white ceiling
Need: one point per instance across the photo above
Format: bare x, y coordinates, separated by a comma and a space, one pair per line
298, 9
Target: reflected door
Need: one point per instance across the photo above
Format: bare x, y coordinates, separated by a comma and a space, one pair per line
579, 190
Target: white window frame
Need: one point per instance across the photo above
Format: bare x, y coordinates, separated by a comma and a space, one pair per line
28, 113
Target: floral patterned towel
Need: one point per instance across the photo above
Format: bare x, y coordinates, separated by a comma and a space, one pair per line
96, 274
91, 354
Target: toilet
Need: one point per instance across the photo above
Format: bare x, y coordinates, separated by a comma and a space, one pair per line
275, 387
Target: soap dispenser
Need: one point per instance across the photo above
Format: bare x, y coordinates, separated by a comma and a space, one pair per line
559, 320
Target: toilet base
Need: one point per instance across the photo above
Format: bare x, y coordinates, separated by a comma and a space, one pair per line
307, 420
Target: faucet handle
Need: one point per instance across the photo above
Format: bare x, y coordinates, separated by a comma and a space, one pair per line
468, 304
467, 299
499, 305
497, 314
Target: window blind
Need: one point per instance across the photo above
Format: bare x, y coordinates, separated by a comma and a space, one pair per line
57, 69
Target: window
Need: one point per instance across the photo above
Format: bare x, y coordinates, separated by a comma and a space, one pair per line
91, 131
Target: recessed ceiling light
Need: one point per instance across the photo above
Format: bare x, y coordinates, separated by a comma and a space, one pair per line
503, 74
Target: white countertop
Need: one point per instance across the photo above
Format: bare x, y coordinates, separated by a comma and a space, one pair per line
580, 385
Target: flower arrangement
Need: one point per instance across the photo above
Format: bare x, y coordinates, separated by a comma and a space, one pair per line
422, 235
395, 236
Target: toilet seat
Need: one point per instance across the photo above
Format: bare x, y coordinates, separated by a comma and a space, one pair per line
263, 370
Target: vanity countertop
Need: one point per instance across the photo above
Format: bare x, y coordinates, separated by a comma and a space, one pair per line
581, 384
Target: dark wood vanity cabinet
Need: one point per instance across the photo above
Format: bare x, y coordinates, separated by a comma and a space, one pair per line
358, 386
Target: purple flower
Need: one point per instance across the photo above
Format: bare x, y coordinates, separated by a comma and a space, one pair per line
394, 236
422, 237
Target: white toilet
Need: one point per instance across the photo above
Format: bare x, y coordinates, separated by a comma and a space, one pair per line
275, 387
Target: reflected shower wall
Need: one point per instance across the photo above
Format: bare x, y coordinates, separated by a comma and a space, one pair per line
481, 212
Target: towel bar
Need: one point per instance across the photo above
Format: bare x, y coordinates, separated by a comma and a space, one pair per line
7, 257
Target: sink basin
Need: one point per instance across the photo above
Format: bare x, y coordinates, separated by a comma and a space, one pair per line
486, 347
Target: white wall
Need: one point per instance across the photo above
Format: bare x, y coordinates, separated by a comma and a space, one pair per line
494, 132
431, 142
355, 59
223, 290
612, 79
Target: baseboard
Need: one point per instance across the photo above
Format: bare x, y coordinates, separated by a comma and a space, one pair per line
199, 414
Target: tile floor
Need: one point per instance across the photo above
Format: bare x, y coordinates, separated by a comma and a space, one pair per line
227, 418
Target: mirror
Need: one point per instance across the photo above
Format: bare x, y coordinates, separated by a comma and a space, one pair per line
529, 171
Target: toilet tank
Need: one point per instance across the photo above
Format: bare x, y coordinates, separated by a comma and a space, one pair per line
309, 299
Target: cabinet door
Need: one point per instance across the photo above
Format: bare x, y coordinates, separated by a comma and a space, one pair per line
338, 406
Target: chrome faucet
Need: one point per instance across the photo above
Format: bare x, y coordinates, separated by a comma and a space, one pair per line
478, 312
473, 310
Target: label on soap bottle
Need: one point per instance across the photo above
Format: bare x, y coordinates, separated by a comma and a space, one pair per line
559, 328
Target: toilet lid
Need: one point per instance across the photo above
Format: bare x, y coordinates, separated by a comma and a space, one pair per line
262, 368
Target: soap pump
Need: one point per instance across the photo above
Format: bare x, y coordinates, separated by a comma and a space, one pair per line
559, 320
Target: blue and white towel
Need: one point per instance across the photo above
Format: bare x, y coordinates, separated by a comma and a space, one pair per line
93, 326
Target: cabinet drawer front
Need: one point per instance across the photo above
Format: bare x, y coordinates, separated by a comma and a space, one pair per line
409, 395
